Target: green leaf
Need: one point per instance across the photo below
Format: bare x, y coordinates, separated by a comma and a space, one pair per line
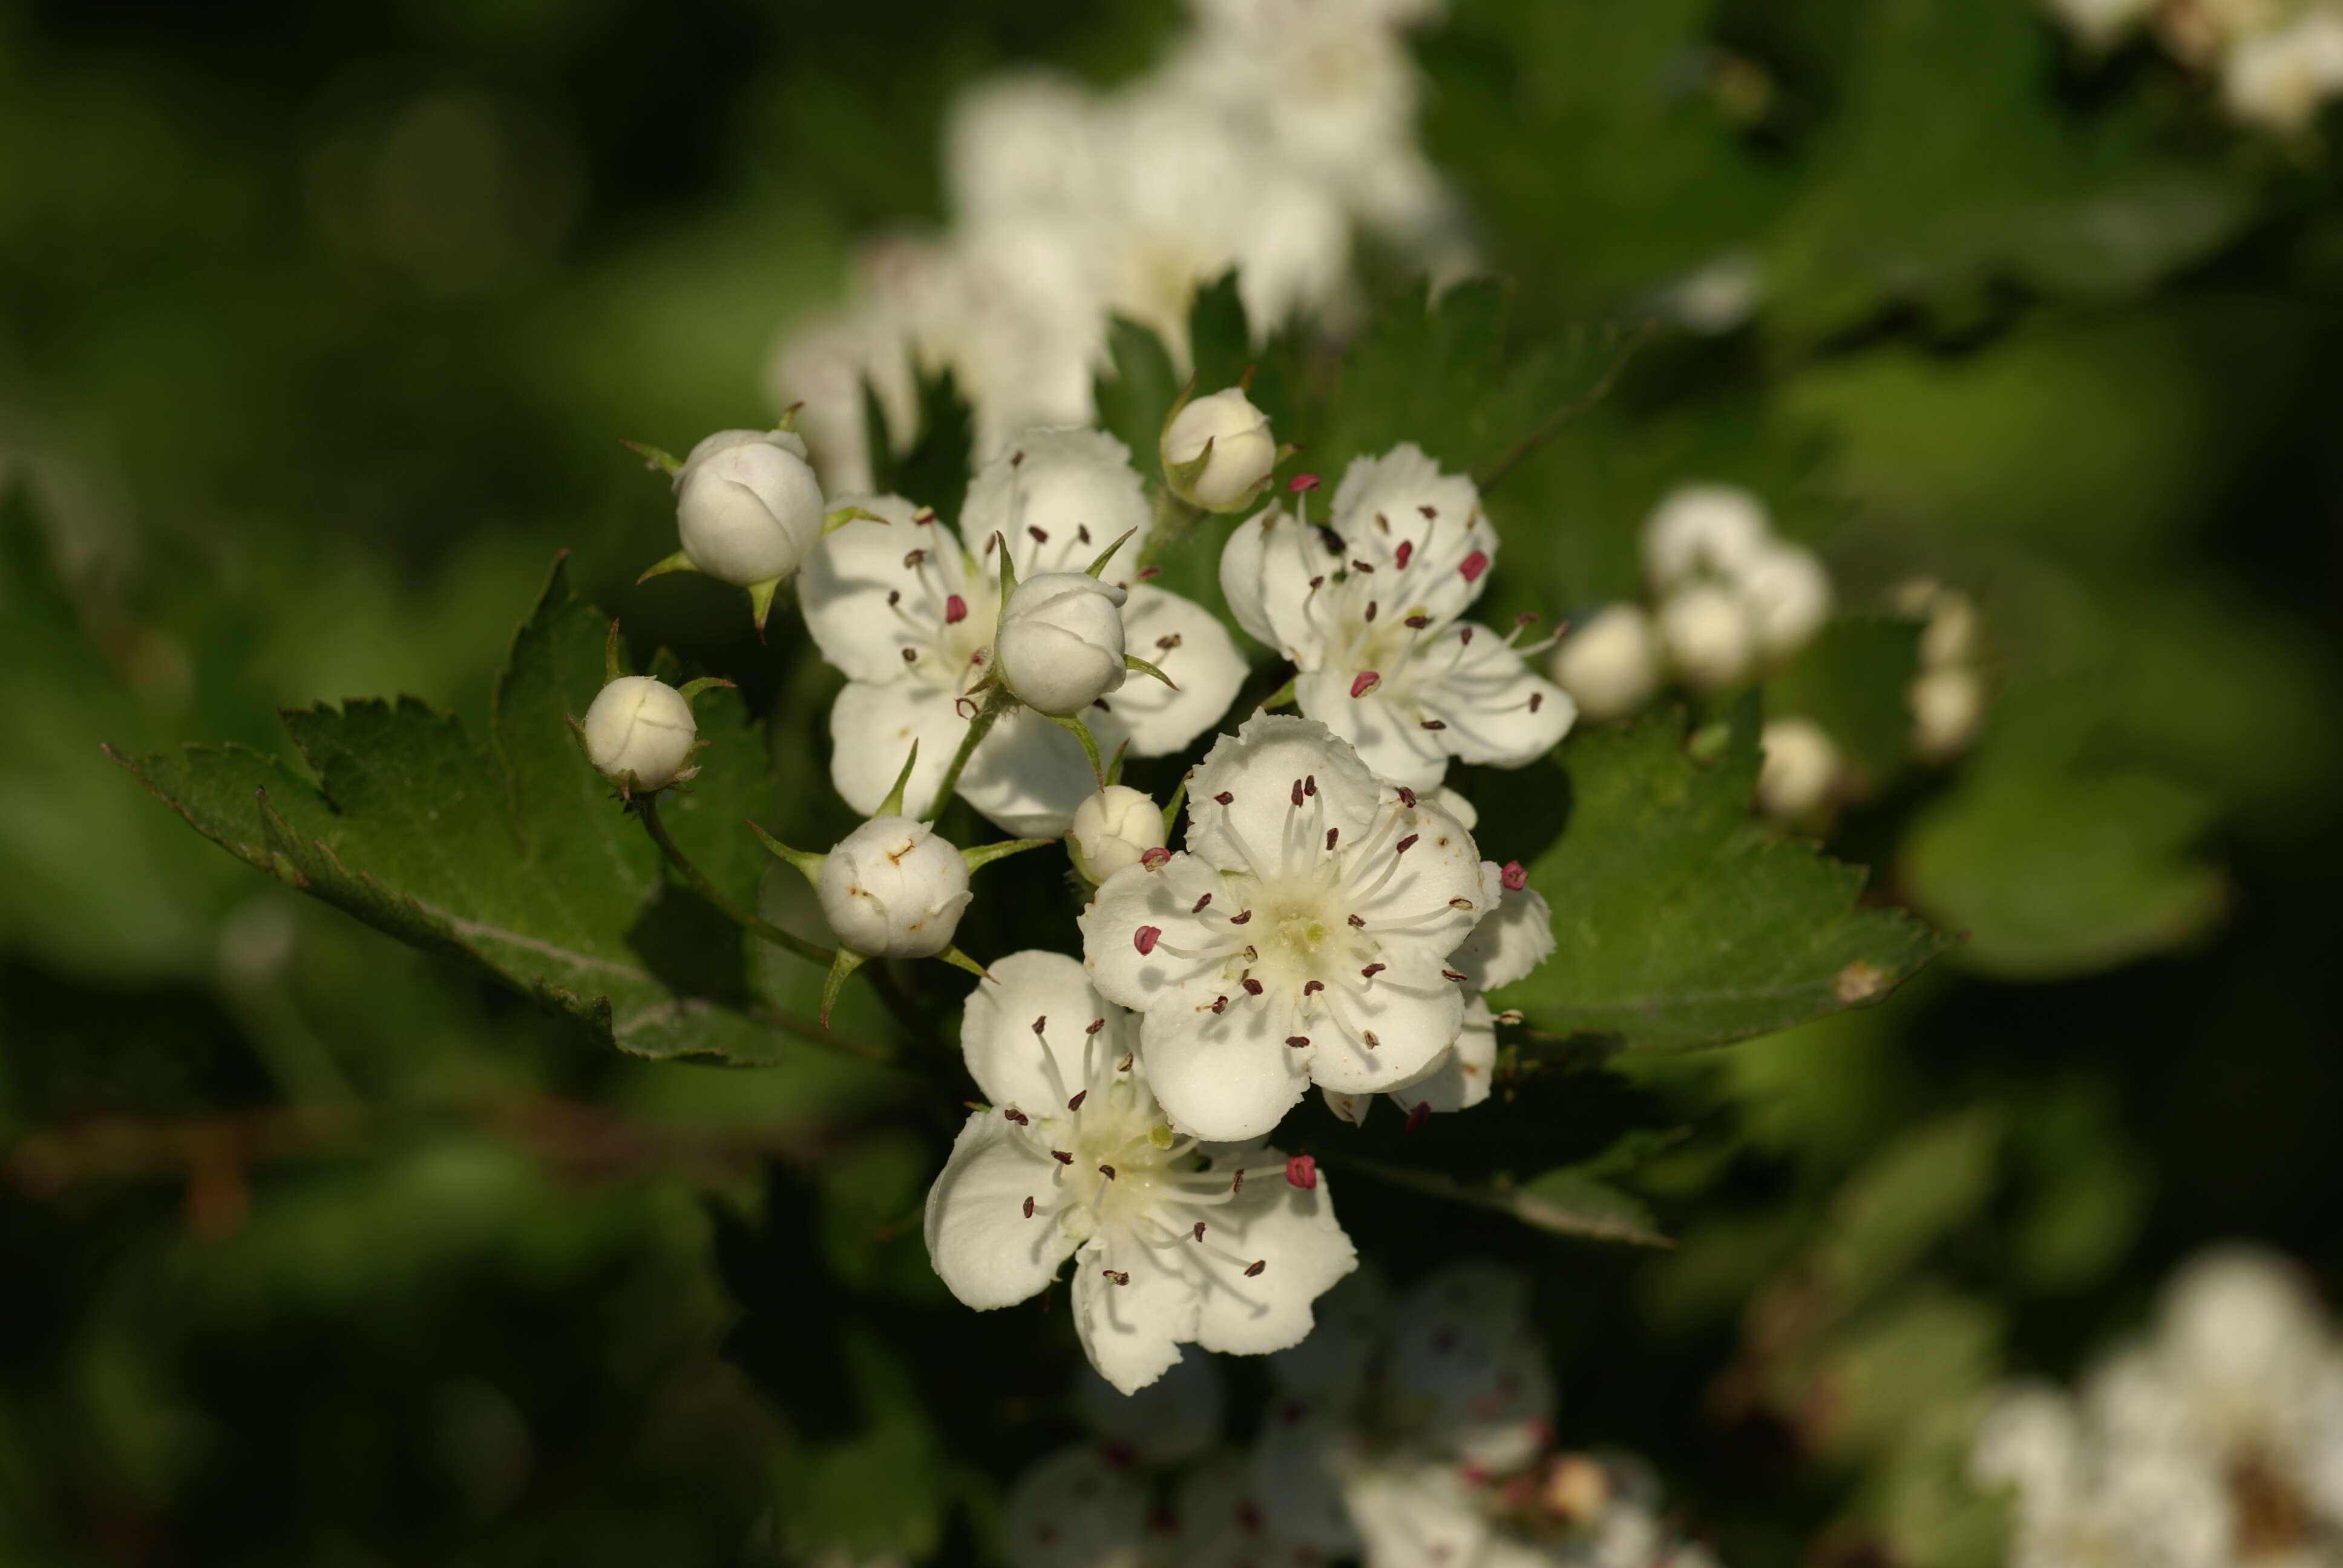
513, 857
1135, 396
1575, 1203
880, 1494
1677, 922
2056, 865
1219, 340
934, 470
1852, 680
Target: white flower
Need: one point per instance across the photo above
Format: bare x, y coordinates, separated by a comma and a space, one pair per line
1302, 935
1368, 610
1788, 594
1242, 451
1800, 763
893, 888
1059, 643
1113, 828
1715, 530
2099, 23
1171, 1244
747, 506
1947, 704
1609, 664
639, 733
910, 615
1709, 637
2278, 78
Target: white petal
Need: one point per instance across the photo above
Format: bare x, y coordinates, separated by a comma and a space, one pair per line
1414, 1013
1132, 1332
1176, 1417
871, 728
1256, 767
1131, 899
1349, 1107
1010, 1062
847, 575
1221, 1076
1298, 1462
1266, 569
1497, 710
1294, 1231
1443, 578
1076, 487
1514, 937
1203, 661
1390, 739
1459, 1076
1077, 1509
1028, 775
985, 1250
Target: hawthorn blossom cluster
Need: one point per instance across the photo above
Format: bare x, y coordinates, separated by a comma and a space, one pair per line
2279, 62
1274, 137
2214, 1442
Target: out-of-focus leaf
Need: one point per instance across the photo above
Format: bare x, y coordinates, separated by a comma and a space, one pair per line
2054, 865
1578, 1204
1906, 1199
512, 857
878, 1494
1678, 923
1852, 680
1133, 399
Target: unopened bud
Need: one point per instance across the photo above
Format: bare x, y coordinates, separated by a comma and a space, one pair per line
1800, 763
1243, 452
893, 888
1707, 633
1789, 596
639, 733
1716, 530
1609, 664
1947, 705
747, 506
1059, 645
1115, 827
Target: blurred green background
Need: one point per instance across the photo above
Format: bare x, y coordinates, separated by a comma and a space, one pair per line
319, 328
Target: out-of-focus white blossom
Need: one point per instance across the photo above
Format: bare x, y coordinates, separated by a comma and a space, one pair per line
1708, 634
1800, 764
1610, 664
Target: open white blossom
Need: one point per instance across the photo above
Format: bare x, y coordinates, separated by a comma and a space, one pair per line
2218, 1440
1610, 664
1173, 1243
1369, 610
639, 733
910, 615
1113, 828
1302, 934
893, 888
747, 506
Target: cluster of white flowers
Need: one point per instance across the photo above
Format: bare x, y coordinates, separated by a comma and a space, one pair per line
1418, 1432
1947, 697
1732, 598
2217, 1442
2278, 61
1276, 134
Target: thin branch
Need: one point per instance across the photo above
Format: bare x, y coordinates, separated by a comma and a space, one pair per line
1522, 449
1527, 1207
647, 808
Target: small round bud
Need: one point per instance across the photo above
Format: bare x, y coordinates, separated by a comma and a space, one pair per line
1707, 633
1243, 452
1697, 528
1947, 704
747, 506
1059, 645
893, 889
1113, 828
1950, 636
1610, 665
1789, 596
1800, 765
639, 733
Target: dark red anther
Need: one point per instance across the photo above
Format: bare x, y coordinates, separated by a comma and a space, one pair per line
1418, 1117
1402, 848
1076, 1102
1297, 791
1310, 783
1018, 1117
1258, 1265
1096, 1024
1238, 1185
1220, 1004
1199, 1232
1526, 618
1407, 797
1225, 799
1429, 512
1472, 566
1332, 834
1416, 622
1309, 986
1145, 938
1252, 986
955, 610
1372, 971
1406, 549
1297, 1040
1362, 567
1041, 536
1537, 700
1150, 859
1453, 975
1029, 1207
1372, 608
1515, 877
1366, 681
1061, 1157
1198, 907
1434, 724
1369, 1036
1107, 1171
1146, 572
1040, 1023
1358, 922
1240, 917
1302, 1171
1120, 1279
1300, 482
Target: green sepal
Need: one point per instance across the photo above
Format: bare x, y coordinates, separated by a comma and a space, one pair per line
1114, 764
578, 729
611, 668
1183, 477
847, 961
1187, 396
691, 688
808, 862
985, 854
1106, 555
1171, 808
654, 458
788, 419
961, 960
892, 806
677, 562
1278, 698
831, 521
1073, 725
1007, 567
760, 601
1133, 662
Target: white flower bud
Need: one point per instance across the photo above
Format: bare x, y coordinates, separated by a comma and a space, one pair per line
1243, 451
893, 889
1697, 528
1060, 646
1707, 633
2278, 78
1800, 764
747, 506
639, 733
1610, 665
1112, 828
1789, 596
1948, 703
